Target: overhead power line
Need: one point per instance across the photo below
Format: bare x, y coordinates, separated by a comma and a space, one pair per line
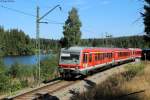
18, 11
28, 14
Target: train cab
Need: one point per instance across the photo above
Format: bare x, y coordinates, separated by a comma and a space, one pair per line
70, 61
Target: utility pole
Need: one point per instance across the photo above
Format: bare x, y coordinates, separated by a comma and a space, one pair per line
103, 40
38, 21
38, 43
108, 36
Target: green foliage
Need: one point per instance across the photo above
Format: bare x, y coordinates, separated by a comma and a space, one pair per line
24, 83
2, 66
49, 45
133, 70
7, 84
15, 85
4, 83
72, 33
21, 71
14, 70
146, 16
49, 68
15, 42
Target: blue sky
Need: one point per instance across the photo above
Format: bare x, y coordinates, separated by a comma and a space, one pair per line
116, 17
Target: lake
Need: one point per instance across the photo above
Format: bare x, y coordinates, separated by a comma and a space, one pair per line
27, 60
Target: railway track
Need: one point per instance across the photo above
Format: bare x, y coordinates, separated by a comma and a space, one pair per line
41, 91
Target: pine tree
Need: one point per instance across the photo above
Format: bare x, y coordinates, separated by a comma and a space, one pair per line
146, 16
72, 33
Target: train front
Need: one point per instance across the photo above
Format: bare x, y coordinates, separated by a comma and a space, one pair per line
69, 63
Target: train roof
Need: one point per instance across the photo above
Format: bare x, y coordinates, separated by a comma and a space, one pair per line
78, 48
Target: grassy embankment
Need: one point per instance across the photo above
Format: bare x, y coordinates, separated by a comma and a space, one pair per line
133, 84
18, 77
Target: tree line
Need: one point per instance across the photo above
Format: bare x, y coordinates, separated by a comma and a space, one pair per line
117, 42
16, 42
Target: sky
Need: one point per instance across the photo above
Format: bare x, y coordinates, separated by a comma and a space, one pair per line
98, 17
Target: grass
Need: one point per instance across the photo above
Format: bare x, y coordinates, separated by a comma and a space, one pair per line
133, 84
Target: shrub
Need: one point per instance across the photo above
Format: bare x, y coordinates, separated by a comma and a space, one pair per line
15, 85
133, 70
14, 70
49, 67
4, 83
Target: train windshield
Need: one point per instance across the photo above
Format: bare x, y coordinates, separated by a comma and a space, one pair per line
69, 58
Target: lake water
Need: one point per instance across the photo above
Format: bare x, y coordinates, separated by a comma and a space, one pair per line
27, 60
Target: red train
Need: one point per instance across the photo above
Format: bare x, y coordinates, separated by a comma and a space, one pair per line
76, 61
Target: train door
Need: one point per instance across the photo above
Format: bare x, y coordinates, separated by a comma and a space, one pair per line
115, 56
90, 60
85, 60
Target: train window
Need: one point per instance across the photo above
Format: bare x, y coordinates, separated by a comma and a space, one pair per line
104, 56
90, 57
109, 56
99, 56
70, 58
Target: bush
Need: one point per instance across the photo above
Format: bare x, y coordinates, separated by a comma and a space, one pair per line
14, 70
49, 68
15, 85
2, 66
4, 83
133, 70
